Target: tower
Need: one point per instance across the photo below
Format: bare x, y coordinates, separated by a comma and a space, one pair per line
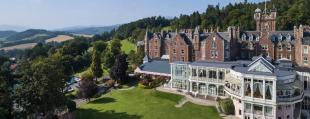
265, 20
196, 41
146, 43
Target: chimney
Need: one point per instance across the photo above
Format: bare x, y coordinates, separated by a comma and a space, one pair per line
217, 29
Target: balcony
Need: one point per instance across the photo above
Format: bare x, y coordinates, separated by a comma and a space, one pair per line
211, 80
231, 91
290, 99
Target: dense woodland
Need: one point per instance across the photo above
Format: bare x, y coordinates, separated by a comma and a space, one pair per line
290, 13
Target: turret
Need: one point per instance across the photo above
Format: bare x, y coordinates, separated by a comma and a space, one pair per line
196, 40
146, 43
257, 18
265, 21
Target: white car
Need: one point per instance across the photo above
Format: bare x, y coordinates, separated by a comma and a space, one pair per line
77, 79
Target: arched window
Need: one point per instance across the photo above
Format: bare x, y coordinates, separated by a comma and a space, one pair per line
289, 47
213, 43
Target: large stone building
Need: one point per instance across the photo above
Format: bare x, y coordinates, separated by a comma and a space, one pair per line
265, 72
233, 44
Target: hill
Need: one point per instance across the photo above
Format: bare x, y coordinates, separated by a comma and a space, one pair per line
90, 30
5, 34
12, 28
29, 36
289, 13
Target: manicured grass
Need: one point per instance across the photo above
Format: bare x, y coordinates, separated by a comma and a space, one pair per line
127, 46
142, 104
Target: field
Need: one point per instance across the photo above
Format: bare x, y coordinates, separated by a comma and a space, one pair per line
127, 46
59, 38
142, 104
22, 46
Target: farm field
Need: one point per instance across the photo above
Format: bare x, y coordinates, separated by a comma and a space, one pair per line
22, 46
59, 38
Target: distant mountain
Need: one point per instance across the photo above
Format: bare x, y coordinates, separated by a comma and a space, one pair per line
12, 28
5, 34
89, 30
30, 36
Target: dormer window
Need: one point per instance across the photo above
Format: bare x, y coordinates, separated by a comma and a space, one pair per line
243, 37
251, 38
289, 37
280, 37
257, 38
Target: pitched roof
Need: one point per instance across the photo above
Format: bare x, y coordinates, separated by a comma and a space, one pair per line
224, 35
261, 65
159, 66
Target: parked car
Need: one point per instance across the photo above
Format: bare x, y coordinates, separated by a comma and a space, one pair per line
77, 79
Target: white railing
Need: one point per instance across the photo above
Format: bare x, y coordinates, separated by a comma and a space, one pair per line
208, 80
290, 99
231, 91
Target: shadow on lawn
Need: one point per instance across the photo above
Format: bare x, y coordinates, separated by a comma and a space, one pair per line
103, 100
96, 114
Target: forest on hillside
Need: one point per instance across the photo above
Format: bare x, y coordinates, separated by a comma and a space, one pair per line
290, 13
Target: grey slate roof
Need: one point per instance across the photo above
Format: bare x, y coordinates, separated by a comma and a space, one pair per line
279, 36
248, 34
302, 69
159, 66
214, 64
276, 72
224, 35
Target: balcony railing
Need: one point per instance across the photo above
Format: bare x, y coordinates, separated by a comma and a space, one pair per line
208, 80
237, 93
290, 99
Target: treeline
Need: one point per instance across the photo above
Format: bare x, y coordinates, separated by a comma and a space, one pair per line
290, 13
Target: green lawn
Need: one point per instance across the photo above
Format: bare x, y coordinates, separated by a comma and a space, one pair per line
142, 104
127, 46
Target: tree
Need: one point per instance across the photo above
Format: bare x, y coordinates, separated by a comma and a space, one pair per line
88, 87
115, 47
118, 71
40, 91
108, 59
136, 58
100, 46
96, 67
5, 94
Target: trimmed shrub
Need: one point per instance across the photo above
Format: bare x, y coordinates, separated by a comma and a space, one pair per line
227, 106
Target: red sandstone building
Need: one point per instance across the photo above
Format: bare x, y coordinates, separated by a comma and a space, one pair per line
201, 44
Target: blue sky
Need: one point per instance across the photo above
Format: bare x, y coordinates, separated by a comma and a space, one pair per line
53, 14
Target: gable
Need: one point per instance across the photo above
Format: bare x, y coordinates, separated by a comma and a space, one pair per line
261, 65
